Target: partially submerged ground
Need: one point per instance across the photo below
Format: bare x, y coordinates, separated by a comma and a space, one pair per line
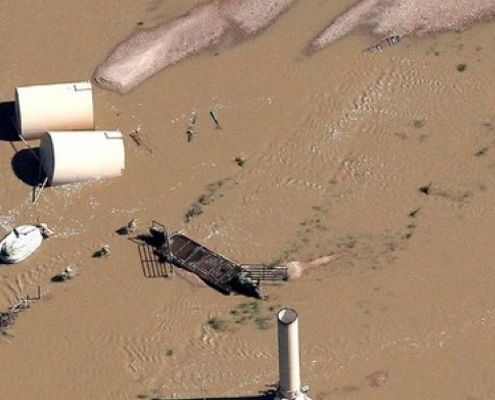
404, 18
386, 157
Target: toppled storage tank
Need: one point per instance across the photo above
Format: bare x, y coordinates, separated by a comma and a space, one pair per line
43, 108
68, 157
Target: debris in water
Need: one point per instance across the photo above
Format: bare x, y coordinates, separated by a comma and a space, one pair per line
214, 117
104, 251
45, 230
387, 42
67, 274
192, 120
7, 318
425, 189
6, 321
481, 152
38, 189
414, 212
240, 161
137, 138
190, 134
129, 228
191, 130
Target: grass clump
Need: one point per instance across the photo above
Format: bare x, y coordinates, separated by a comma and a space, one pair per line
262, 323
258, 313
217, 324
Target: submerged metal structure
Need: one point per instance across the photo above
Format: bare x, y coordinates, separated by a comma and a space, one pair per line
211, 267
288, 357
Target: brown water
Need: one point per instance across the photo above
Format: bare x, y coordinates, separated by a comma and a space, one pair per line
336, 147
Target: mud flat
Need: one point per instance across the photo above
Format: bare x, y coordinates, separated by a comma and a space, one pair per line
150, 50
415, 17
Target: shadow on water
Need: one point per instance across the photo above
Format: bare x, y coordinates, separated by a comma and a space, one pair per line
8, 130
266, 396
26, 166
268, 393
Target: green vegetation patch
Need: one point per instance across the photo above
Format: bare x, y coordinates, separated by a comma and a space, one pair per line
217, 324
258, 313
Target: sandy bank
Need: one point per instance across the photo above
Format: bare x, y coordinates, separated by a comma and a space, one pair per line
149, 50
413, 17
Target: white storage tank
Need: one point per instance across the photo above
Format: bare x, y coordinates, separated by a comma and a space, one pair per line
70, 156
43, 108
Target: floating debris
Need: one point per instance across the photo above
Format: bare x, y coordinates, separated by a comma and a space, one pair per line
414, 212
192, 120
481, 152
104, 251
387, 42
45, 230
214, 117
6, 321
67, 274
128, 229
138, 139
190, 133
38, 189
425, 189
7, 318
240, 161
191, 130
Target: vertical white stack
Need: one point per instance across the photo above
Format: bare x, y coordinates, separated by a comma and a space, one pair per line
288, 356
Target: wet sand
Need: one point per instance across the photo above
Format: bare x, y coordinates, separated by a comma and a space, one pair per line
150, 50
337, 148
404, 18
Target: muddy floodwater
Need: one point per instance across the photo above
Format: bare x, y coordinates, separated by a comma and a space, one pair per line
387, 158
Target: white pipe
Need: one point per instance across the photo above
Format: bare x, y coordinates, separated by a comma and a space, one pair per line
75, 156
288, 348
43, 108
